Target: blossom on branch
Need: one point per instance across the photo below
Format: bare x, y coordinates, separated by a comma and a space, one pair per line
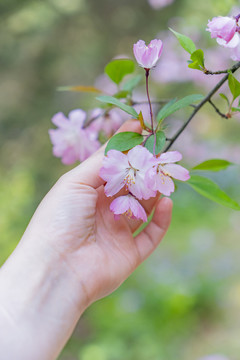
120, 170
70, 140
159, 177
222, 27
226, 30
129, 206
147, 56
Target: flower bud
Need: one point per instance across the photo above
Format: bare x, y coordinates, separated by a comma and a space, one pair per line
147, 56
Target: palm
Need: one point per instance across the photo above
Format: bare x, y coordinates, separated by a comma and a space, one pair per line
94, 243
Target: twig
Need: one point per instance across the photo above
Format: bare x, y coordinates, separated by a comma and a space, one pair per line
217, 110
200, 105
209, 72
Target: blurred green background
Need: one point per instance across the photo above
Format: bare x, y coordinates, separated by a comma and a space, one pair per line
184, 302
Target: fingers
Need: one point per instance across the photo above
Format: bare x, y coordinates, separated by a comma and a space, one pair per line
87, 172
148, 240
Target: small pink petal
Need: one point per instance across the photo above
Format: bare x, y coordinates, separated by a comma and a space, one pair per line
169, 157
60, 120
177, 172
77, 117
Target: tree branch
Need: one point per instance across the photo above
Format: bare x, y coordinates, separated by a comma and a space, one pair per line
217, 110
200, 105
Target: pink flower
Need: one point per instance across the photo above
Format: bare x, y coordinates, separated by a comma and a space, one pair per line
108, 123
222, 27
158, 4
159, 177
233, 45
147, 56
129, 206
71, 141
129, 170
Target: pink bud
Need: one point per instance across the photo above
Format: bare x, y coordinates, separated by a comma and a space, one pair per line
222, 27
147, 56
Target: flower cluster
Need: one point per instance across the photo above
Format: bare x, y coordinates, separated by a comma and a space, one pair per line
71, 141
142, 175
226, 30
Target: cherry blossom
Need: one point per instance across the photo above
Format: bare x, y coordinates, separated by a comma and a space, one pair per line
159, 177
147, 56
70, 140
222, 27
120, 170
129, 206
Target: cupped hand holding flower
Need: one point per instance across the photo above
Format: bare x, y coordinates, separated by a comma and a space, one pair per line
72, 253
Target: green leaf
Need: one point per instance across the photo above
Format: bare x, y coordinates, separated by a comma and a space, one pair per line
225, 98
185, 42
213, 165
175, 106
197, 58
132, 83
122, 94
119, 68
234, 85
212, 191
124, 141
164, 110
160, 142
235, 109
113, 101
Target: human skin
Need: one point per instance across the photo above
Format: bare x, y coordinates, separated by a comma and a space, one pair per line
72, 253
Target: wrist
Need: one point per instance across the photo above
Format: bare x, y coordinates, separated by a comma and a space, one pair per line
40, 300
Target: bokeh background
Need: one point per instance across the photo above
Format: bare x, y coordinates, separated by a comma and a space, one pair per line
184, 302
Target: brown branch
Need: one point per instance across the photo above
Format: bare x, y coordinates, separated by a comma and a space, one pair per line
217, 110
200, 105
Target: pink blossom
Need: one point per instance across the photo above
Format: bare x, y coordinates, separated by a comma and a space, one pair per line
159, 177
158, 4
129, 170
71, 141
129, 206
108, 123
147, 56
222, 27
233, 45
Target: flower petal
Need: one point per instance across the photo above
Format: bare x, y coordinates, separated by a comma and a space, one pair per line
177, 172
77, 117
169, 157
128, 205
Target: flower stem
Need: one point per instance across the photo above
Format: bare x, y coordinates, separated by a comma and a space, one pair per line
149, 101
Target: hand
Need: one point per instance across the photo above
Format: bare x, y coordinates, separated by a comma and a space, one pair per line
72, 253
75, 221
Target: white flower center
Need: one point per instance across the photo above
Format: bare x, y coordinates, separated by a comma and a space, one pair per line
130, 177
162, 173
71, 137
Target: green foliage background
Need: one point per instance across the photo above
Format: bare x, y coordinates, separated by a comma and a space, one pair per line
184, 303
